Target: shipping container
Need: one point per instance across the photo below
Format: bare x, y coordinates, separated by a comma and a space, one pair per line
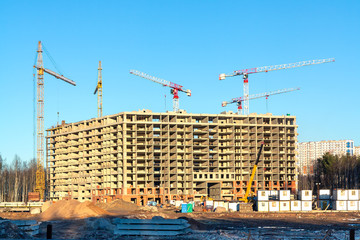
263, 195
274, 206
284, 195
284, 205
295, 205
306, 195
353, 205
306, 205
353, 195
324, 194
339, 205
340, 195
263, 206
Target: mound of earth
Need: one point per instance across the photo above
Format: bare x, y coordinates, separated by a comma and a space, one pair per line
71, 209
119, 204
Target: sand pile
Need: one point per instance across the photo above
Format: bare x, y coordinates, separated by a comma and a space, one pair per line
71, 209
119, 205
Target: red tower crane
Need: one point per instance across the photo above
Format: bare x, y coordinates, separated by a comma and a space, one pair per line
246, 72
175, 88
239, 100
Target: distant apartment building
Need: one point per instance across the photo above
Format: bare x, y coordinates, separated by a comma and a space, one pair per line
357, 151
310, 151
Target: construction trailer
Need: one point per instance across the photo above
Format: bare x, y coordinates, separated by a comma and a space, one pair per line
143, 156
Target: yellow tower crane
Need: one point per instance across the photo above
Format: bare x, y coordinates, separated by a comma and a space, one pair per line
98, 90
40, 174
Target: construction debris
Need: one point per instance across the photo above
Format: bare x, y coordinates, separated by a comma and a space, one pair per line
10, 230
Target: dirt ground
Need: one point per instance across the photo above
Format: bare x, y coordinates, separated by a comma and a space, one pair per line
235, 225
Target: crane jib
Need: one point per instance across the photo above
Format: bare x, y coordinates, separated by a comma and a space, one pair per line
283, 66
248, 71
176, 86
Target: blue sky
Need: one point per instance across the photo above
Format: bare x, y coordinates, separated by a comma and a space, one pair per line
186, 42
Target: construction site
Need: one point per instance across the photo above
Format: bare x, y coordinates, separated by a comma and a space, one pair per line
175, 174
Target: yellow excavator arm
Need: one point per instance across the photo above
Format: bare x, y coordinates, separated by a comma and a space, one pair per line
248, 189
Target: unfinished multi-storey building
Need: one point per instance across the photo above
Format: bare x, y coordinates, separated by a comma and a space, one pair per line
142, 156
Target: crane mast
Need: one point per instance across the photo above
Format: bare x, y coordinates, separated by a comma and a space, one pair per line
40, 173
98, 90
240, 100
175, 88
245, 73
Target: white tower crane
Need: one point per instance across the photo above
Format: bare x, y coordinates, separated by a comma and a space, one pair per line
175, 88
239, 100
246, 72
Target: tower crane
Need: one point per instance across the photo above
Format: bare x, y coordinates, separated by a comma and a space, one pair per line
239, 100
98, 90
246, 72
40, 174
175, 88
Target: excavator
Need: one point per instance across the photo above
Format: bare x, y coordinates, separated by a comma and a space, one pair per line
248, 189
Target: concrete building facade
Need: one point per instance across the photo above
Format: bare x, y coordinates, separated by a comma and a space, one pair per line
309, 152
141, 156
357, 151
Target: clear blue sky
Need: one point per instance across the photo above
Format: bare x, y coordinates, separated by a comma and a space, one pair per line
187, 42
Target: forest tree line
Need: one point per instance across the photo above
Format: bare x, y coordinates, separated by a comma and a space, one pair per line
16, 179
333, 171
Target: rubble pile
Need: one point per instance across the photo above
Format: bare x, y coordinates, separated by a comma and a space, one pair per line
9, 230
